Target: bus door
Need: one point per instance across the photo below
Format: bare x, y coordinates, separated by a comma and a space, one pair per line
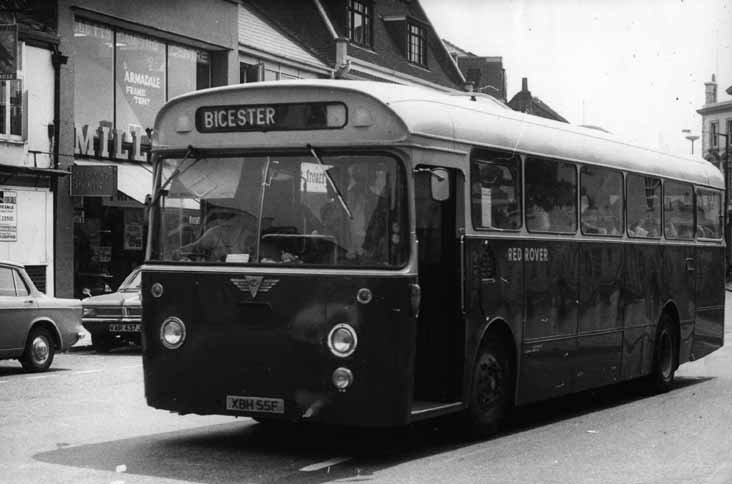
440, 331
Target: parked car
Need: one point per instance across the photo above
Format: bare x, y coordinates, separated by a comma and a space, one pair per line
114, 318
33, 326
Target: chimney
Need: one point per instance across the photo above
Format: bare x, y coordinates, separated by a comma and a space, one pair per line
710, 91
524, 84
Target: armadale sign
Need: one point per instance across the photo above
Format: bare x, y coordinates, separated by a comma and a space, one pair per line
111, 144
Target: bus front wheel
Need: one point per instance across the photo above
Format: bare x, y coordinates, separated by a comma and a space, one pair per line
664, 356
491, 393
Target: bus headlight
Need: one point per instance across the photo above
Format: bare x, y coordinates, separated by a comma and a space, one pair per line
342, 340
342, 378
172, 333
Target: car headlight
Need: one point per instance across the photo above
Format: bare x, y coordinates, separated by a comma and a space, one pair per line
172, 333
87, 312
342, 340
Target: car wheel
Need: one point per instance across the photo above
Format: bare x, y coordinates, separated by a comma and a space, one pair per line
664, 357
39, 350
491, 392
101, 343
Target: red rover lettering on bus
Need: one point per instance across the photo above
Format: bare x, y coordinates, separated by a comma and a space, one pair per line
529, 254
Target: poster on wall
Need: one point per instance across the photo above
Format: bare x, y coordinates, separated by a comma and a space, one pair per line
133, 236
8, 216
133, 229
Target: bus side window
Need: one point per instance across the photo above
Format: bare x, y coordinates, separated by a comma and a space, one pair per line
551, 196
495, 190
601, 209
678, 214
644, 208
708, 214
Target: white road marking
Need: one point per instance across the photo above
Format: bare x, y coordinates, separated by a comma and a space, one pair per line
324, 464
84, 372
130, 366
39, 377
4, 381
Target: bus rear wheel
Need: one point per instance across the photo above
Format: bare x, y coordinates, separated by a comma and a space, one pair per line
491, 392
664, 356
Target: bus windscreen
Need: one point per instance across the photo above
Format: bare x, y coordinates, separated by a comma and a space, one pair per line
267, 210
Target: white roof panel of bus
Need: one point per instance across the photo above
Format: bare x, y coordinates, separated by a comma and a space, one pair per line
478, 120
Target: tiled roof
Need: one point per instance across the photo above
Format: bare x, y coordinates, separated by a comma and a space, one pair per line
304, 23
258, 33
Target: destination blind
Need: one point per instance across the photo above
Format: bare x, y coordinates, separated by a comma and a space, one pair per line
270, 117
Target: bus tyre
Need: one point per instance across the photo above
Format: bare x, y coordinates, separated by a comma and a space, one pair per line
39, 351
664, 357
492, 388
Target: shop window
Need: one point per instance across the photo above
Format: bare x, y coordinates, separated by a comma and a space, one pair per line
601, 201
93, 75
188, 70
140, 64
551, 196
359, 22
122, 79
678, 213
416, 44
644, 206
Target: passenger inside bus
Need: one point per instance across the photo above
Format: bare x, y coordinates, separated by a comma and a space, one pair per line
366, 234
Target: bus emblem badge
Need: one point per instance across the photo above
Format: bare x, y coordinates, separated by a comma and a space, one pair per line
254, 284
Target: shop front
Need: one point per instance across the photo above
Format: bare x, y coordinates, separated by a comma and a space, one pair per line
123, 73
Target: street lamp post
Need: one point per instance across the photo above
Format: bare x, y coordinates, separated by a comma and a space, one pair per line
690, 137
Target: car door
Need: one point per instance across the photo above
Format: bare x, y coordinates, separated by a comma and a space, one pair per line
17, 308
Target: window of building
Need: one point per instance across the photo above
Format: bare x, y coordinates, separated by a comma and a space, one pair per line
644, 206
713, 134
551, 196
708, 214
495, 191
729, 133
188, 70
122, 79
249, 72
359, 22
11, 103
416, 44
601, 201
678, 211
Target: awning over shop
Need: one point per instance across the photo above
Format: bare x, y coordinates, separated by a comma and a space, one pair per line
133, 179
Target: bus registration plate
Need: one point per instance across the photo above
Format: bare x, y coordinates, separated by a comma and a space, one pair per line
124, 328
255, 404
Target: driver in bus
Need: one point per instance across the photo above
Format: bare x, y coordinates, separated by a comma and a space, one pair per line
232, 235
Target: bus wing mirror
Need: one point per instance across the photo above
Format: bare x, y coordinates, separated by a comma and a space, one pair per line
439, 184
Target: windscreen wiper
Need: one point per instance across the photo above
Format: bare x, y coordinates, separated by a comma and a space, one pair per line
332, 183
176, 173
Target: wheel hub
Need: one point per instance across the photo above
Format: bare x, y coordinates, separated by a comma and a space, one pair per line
40, 350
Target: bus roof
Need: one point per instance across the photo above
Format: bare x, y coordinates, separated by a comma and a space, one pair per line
463, 119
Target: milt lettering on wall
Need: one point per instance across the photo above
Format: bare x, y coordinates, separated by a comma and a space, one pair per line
528, 254
124, 146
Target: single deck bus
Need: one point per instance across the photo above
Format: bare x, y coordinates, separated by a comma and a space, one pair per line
372, 254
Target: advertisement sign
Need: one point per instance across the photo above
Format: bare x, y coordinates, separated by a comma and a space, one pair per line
8, 52
8, 216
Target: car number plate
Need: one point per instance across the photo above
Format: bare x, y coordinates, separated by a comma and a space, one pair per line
124, 328
255, 404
